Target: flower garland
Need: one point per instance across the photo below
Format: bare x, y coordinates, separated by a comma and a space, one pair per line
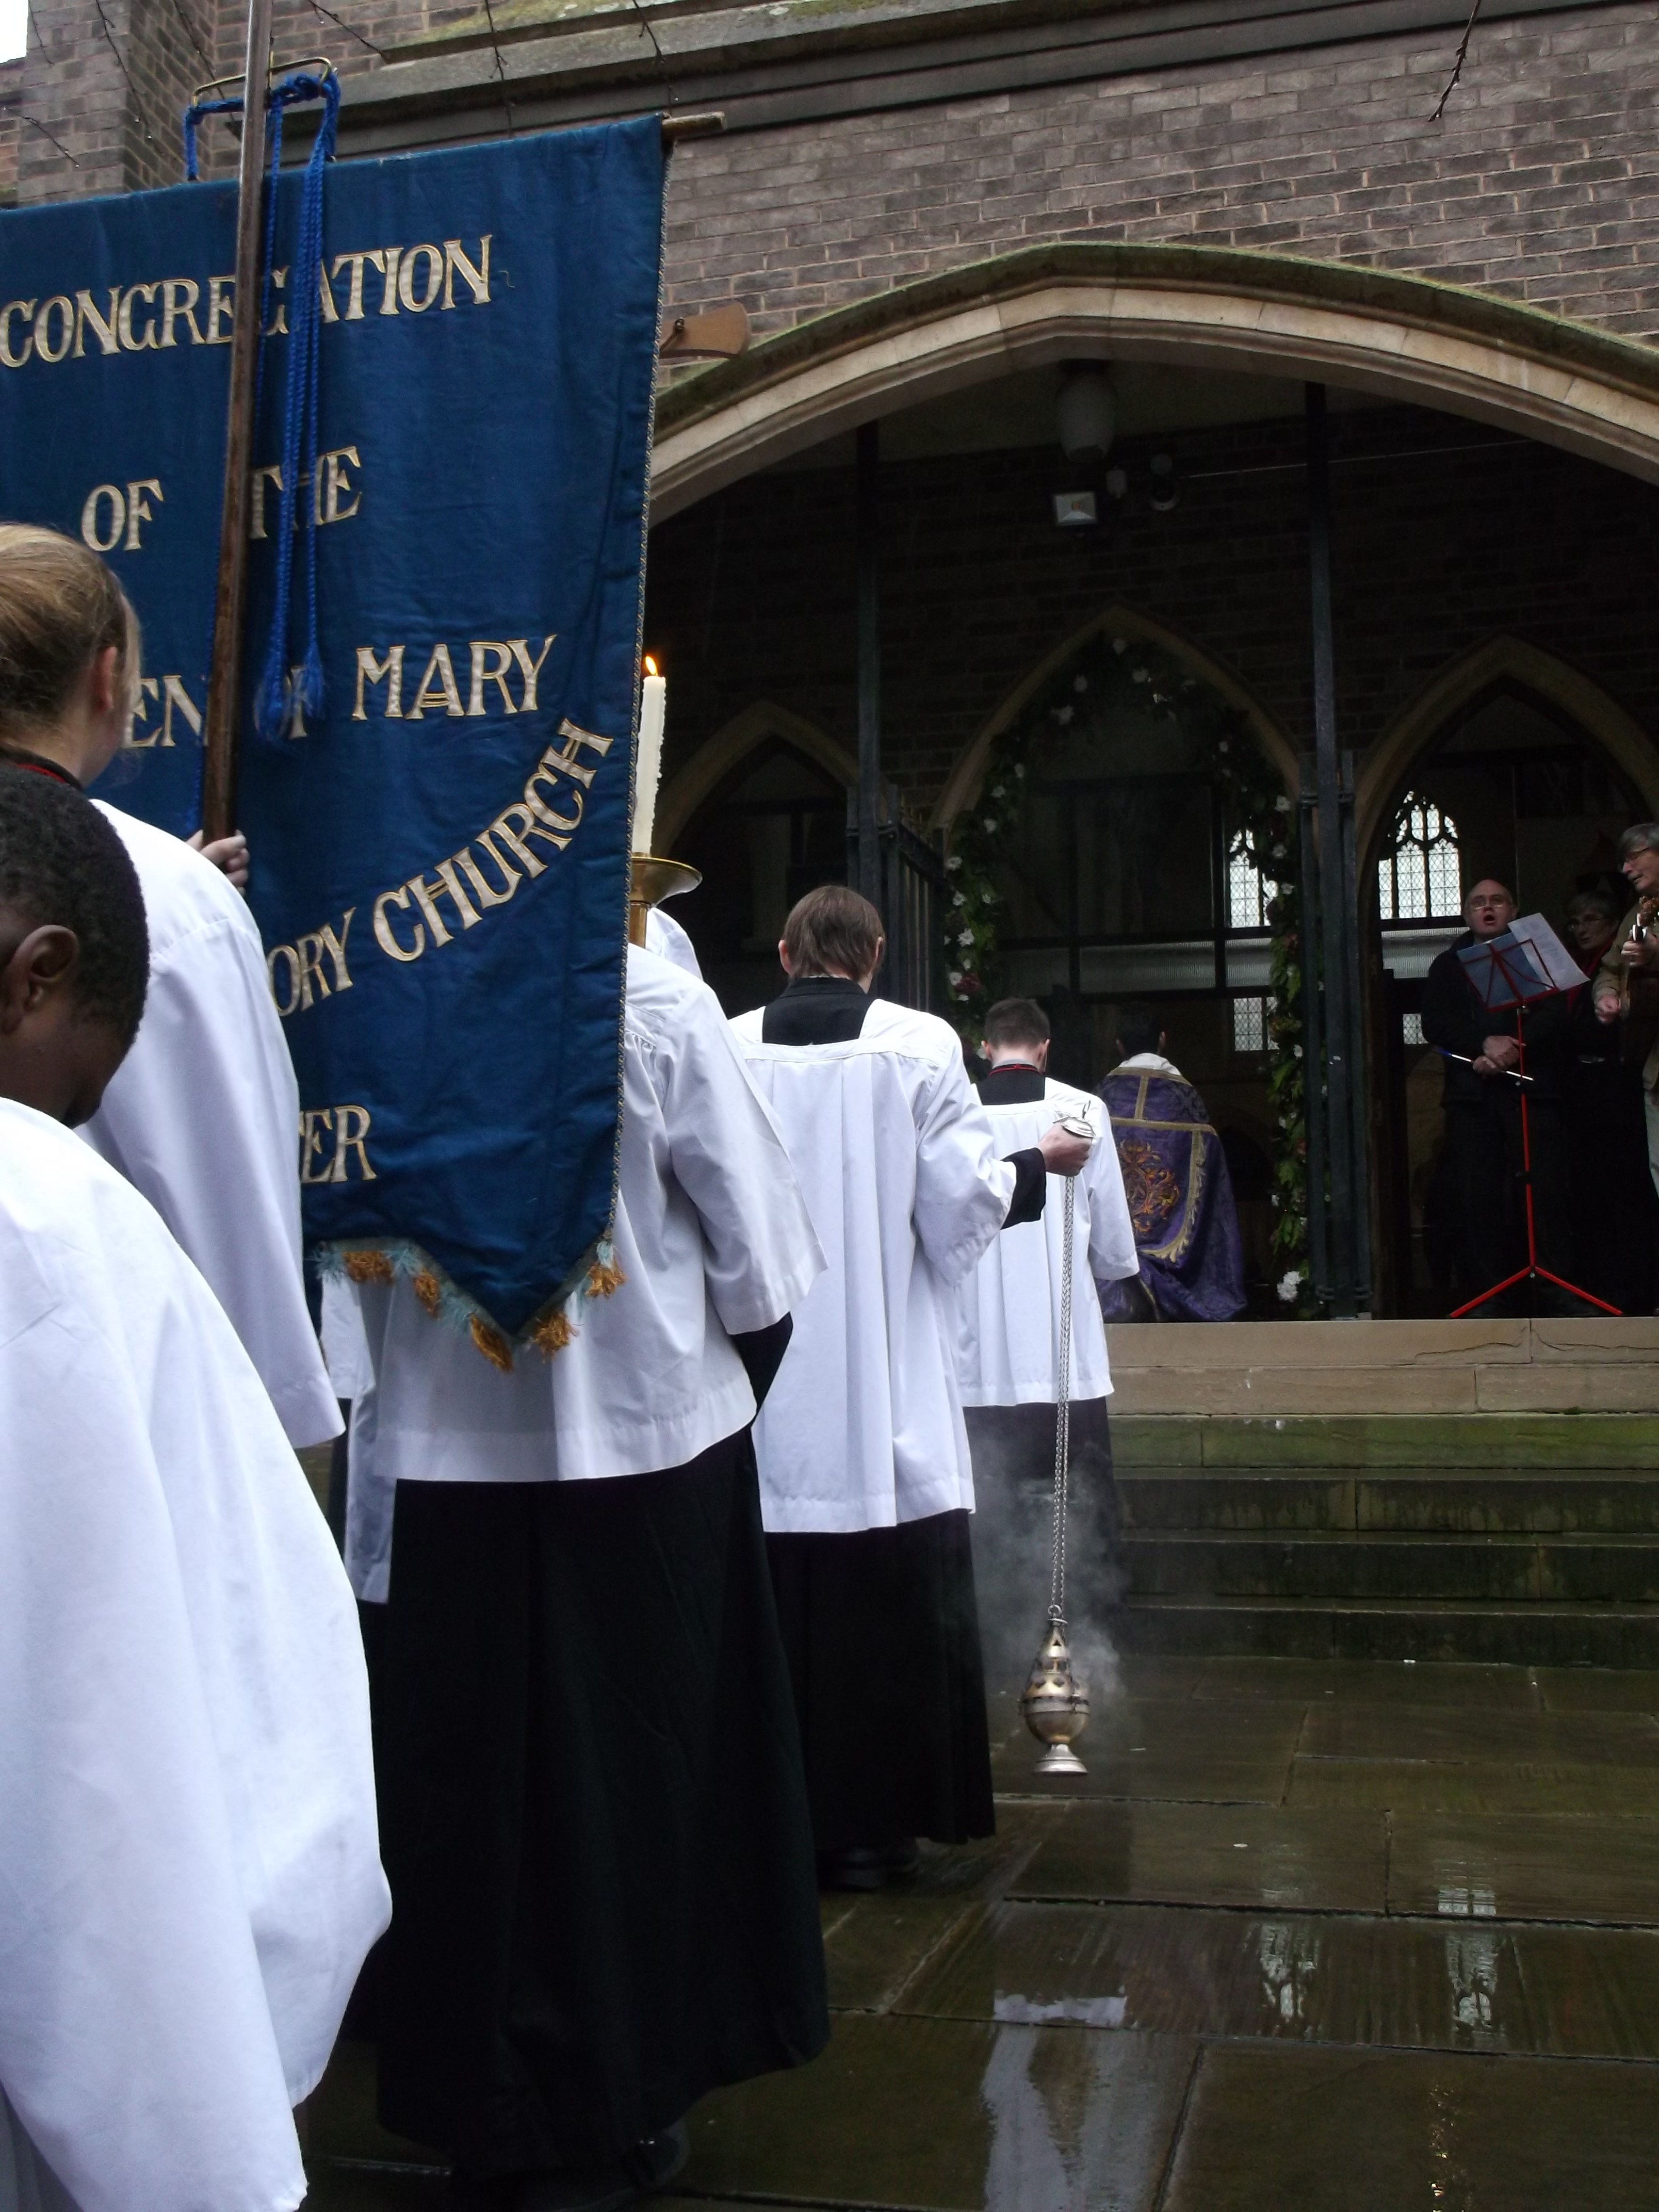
1134, 673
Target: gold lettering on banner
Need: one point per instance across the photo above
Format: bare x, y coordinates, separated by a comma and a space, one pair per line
178, 297
91, 529
371, 669
160, 314
108, 333
174, 700
146, 292
434, 282
128, 508
26, 309
349, 1126
532, 669
329, 492
490, 663
446, 693
356, 262
220, 309
383, 936
474, 274
64, 311
514, 827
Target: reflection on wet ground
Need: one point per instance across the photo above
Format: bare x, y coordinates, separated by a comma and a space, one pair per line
1343, 1938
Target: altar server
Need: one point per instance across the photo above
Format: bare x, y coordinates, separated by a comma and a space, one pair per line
188, 1872
595, 1817
1007, 1346
864, 1461
203, 1115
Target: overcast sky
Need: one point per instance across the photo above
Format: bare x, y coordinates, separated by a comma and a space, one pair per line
13, 18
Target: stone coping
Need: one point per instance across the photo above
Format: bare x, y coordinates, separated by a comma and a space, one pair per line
1628, 363
1381, 1367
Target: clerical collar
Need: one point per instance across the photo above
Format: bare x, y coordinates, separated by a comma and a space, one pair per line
816, 1010
1015, 1083
1152, 1063
38, 764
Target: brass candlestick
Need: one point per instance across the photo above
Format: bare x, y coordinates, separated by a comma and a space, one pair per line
654, 880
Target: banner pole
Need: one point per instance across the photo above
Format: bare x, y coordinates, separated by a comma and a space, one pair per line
219, 742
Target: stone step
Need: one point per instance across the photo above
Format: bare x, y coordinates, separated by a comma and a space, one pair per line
1315, 1628
1422, 1500
1511, 1441
1392, 1567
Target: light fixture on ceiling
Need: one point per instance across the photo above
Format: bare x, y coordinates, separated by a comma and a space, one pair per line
1075, 510
1085, 412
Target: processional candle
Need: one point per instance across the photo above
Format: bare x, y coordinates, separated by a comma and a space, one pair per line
647, 768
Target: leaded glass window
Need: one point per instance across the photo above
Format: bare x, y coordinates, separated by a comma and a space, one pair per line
1246, 894
1416, 877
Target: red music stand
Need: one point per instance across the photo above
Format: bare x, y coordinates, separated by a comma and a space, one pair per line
1513, 972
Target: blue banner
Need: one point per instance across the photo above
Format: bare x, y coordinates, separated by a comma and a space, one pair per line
441, 859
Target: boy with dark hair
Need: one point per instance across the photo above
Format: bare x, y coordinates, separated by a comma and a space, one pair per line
188, 1872
1008, 1337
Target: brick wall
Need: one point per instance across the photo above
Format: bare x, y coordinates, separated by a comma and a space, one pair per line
1542, 184
751, 592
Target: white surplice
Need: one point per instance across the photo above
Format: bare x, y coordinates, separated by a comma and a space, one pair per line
189, 1869
712, 1239
204, 1117
1008, 1310
863, 1427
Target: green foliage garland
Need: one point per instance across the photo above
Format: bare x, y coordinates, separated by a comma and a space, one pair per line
1143, 678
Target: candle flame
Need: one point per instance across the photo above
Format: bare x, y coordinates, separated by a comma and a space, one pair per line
650, 665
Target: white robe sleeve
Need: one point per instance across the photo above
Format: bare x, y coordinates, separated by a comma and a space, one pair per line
1112, 1256
188, 1878
964, 1189
203, 1117
762, 1255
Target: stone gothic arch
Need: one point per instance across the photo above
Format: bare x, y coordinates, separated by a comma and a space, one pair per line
1227, 308
1501, 659
712, 763
1116, 621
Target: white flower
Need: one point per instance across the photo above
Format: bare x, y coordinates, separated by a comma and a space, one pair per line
967, 937
988, 824
1290, 1287
1141, 675
1298, 1051
1222, 747
1079, 683
959, 898
1279, 852
999, 791
955, 979
955, 861
1281, 805
1019, 768
1062, 715
1119, 645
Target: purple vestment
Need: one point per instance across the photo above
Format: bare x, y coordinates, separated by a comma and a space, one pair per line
1180, 1202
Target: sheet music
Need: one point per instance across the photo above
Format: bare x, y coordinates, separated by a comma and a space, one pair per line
1548, 953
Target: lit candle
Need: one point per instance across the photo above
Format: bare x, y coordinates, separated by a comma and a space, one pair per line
647, 767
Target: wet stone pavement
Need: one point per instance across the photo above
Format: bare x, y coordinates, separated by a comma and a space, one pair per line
1334, 1937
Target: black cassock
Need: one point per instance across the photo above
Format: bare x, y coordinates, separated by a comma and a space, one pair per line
882, 1626
1483, 1163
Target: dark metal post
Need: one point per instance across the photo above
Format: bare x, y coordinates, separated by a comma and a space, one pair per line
868, 539
1313, 1090
1359, 1058
220, 731
1335, 924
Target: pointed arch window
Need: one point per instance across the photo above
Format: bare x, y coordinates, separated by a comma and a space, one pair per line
1247, 893
1418, 877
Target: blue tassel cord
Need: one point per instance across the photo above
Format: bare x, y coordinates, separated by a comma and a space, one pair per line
281, 703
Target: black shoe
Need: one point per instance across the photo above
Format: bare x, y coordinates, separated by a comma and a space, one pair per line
861, 1866
904, 1858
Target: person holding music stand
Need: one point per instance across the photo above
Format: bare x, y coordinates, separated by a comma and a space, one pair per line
1489, 1154
1510, 973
